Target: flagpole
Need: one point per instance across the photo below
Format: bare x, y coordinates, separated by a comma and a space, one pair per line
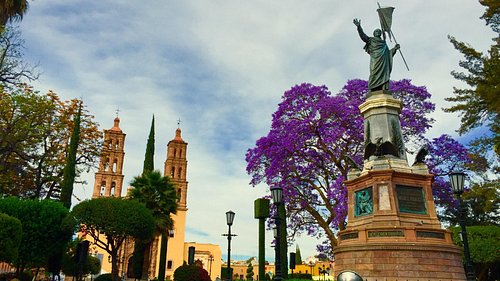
395, 41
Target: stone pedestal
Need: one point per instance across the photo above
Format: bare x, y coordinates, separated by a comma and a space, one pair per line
393, 232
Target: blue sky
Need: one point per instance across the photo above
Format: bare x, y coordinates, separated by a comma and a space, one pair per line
222, 67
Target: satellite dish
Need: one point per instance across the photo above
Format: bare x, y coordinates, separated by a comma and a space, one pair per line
349, 276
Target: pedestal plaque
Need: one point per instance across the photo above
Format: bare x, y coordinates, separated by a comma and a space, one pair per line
410, 199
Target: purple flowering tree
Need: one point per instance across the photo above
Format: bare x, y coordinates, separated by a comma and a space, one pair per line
445, 156
315, 139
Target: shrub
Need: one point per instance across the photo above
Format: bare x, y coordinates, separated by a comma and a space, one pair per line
190, 273
104, 277
301, 276
25, 276
10, 237
7, 276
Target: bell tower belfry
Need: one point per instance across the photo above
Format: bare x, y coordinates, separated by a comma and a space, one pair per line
109, 177
176, 168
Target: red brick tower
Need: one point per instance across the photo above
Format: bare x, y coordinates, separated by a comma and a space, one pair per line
109, 177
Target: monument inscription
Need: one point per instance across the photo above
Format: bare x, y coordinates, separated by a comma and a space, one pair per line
411, 199
387, 233
430, 234
352, 235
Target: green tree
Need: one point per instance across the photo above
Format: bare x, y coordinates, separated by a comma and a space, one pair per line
298, 256
34, 143
261, 212
110, 220
43, 230
10, 237
142, 248
249, 275
482, 202
12, 10
484, 242
159, 195
69, 172
479, 104
224, 272
149, 162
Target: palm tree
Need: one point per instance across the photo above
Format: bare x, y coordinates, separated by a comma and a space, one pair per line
11, 10
159, 195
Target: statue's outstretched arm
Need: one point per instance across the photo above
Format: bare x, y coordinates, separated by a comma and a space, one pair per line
362, 35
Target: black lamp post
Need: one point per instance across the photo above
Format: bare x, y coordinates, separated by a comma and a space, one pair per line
457, 184
229, 220
277, 195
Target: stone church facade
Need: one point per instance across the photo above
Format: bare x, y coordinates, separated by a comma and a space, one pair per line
109, 182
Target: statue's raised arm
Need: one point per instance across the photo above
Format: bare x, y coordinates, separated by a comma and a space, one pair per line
363, 36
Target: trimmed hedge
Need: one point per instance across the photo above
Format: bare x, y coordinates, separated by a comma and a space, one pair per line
104, 277
300, 276
11, 232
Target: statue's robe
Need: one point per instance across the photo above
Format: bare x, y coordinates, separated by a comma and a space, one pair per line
380, 61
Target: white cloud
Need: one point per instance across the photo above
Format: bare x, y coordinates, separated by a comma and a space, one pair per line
222, 67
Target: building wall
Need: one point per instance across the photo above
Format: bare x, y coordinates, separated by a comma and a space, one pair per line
209, 255
316, 269
175, 246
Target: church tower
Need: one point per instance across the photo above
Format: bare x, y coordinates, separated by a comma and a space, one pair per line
109, 177
176, 168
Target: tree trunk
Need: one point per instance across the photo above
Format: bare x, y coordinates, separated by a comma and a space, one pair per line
114, 266
163, 257
146, 263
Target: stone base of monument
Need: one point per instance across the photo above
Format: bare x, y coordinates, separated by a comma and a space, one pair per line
393, 232
384, 255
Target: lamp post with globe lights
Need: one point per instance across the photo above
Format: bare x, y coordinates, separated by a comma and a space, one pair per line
229, 221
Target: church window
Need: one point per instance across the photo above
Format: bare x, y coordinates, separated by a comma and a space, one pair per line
106, 165
114, 165
180, 152
103, 188
117, 144
170, 264
175, 152
113, 185
172, 172
179, 192
179, 173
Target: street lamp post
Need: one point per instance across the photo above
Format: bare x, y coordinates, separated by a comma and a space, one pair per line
229, 220
457, 184
277, 195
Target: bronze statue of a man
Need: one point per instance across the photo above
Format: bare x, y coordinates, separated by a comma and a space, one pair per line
380, 58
